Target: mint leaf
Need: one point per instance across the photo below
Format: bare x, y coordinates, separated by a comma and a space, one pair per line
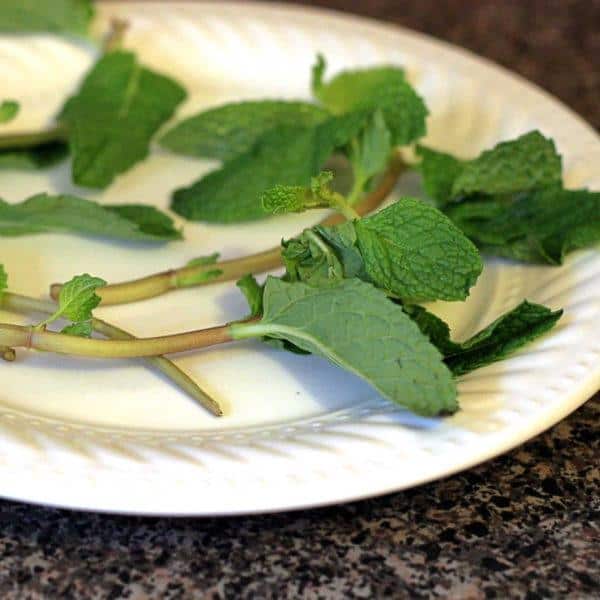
230, 130
44, 213
503, 337
414, 252
410, 250
59, 16
76, 301
526, 163
540, 226
356, 327
253, 292
287, 155
149, 221
375, 88
112, 118
370, 152
495, 342
82, 329
3, 279
32, 159
8, 110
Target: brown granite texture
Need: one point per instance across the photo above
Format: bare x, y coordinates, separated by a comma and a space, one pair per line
525, 525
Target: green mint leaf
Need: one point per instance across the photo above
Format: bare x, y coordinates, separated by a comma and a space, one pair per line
8, 110
529, 162
253, 292
526, 163
414, 252
308, 258
495, 342
439, 171
57, 16
3, 279
231, 130
383, 88
82, 329
503, 337
540, 226
410, 250
112, 118
78, 298
287, 155
357, 328
370, 151
69, 214
32, 159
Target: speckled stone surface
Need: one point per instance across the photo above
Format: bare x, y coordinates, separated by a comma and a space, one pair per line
526, 525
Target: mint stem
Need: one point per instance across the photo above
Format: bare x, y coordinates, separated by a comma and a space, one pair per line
161, 283
17, 336
24, 304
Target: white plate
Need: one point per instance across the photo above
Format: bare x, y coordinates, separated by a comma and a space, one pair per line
298, 432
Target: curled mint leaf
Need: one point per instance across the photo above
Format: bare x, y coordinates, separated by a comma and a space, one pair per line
70, 214
495, 342
357, 328
228, 131
8, 110
112, 118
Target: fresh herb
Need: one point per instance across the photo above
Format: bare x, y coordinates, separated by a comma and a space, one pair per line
45, 213
410, 250
356, 327
76, 301
8, 110
540, 226
383, 88
25, 305
57, 16
520, 165
495, 342
112, 118
232, 130
165, 281
287, 155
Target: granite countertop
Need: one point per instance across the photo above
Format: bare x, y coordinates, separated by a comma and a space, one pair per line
524, 525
